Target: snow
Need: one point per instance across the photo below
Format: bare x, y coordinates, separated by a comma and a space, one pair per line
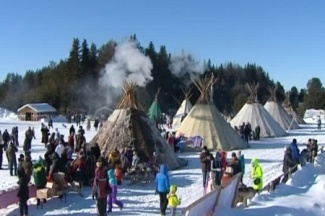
140, 199
58, 119
6, 114
313, 112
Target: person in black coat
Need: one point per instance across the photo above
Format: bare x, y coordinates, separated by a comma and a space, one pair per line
2, 147
6, 138
257, 132
72, 130
216, 166
235, 164
45, 134
95, 150
288, 164
23, 191
205, 158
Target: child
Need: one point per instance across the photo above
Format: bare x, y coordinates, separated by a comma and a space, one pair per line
118, 174
226, 177
173, 200
112, 197
211, 185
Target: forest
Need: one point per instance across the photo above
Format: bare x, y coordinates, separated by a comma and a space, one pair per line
75, 81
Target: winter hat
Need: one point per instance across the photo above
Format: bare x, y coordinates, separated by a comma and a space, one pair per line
218, 155
233, 154
173, 188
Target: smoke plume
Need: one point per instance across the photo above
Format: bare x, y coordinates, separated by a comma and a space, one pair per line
183, 65
128, 64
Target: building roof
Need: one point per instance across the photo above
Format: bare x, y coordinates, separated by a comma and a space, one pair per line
39, 107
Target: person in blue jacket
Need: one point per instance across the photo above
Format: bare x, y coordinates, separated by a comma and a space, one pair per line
162, 187
295, 151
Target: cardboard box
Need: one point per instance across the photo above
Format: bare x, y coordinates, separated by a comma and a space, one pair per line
50, 185
44, 193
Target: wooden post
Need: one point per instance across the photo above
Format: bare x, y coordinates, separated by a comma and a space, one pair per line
245, 203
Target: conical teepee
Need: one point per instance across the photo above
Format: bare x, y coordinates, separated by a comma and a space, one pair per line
279, 113
206, 121
128, 125
183, 110
291, 111
255, 114
154, 111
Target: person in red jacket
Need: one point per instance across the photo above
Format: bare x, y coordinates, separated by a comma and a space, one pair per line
78, 164
100, 189
71, 141
224, 160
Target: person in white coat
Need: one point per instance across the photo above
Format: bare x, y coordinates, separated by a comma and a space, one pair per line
211, 185
59, 149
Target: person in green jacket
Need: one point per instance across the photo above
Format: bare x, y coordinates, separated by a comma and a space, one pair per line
39, 174
257, 175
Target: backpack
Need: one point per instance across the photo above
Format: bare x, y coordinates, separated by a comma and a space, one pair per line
109, 188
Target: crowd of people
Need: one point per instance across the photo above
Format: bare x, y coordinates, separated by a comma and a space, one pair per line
105, 172
217, 171
246, 132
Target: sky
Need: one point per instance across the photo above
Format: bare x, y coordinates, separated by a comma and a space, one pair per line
286, 38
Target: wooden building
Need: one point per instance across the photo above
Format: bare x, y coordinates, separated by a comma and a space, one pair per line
36, 111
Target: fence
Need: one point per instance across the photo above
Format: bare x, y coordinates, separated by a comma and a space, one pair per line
223, 197
274, 182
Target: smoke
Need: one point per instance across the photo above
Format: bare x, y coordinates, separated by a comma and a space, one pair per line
127, 64
183, 65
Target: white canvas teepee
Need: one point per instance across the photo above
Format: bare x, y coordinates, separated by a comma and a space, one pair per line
254, 113
279, 113
291, 111
206, 121
182, 111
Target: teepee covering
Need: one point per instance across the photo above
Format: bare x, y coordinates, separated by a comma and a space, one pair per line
255, 114
205, 120
128, 125
154, 111
183, 110
279, 113
291, 111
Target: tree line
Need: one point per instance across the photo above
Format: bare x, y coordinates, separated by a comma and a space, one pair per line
74, 82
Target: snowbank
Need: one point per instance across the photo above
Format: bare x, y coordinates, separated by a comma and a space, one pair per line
312, 113
6, 114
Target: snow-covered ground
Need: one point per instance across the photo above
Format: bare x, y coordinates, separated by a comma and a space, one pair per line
141, 199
